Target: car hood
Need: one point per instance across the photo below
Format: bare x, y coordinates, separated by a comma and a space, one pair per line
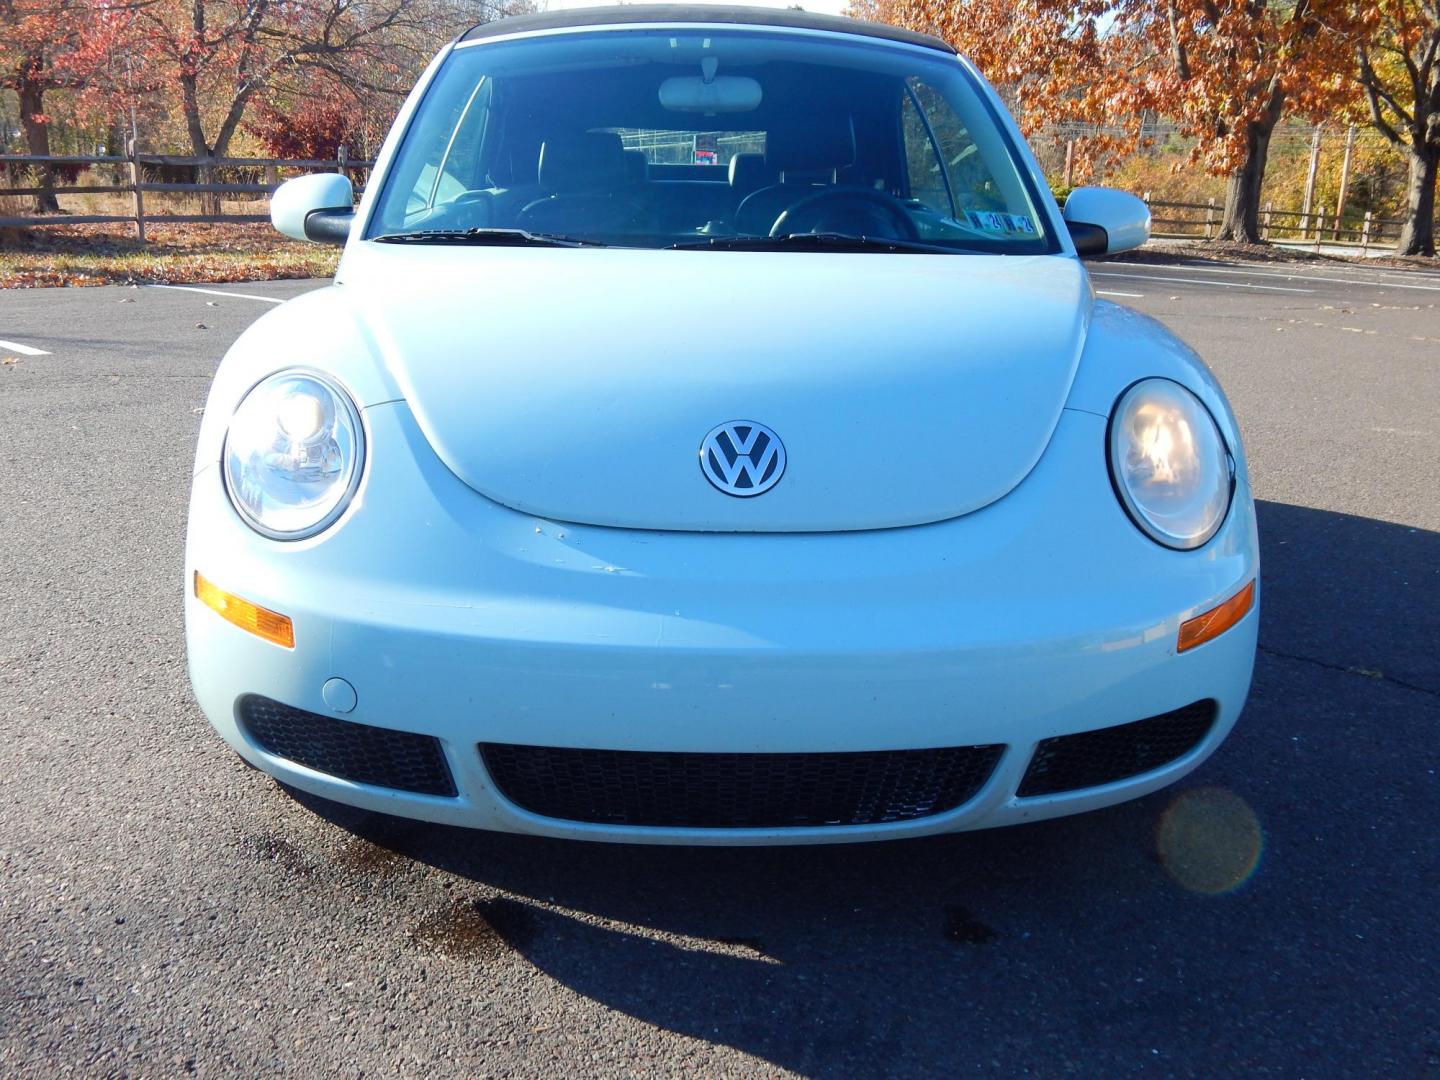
578, 384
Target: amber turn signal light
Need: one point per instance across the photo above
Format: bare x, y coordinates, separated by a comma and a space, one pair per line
262, 622
1213, 623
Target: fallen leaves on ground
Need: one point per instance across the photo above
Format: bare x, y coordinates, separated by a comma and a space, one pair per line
1165, 252
174, 254
184, 253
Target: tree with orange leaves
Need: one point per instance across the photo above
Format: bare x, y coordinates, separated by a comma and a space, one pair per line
1234, 70
1224, 70
1398, 67
48, 45
221, 55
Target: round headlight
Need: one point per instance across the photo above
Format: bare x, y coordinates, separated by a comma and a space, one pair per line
293, 454
1170, 464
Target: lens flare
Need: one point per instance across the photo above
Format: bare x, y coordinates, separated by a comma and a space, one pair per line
301, 416
1209, 841
1161, 436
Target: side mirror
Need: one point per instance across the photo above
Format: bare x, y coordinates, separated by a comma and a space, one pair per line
1103, 221
320, 207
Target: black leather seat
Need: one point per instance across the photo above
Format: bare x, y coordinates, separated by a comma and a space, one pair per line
806, 158
749, 173
589, 185
637, 168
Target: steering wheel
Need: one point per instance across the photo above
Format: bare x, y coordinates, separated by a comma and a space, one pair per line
813, 210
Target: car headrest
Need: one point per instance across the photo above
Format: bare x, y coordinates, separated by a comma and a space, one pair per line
824, 143
592, 161
637, 168
748, 172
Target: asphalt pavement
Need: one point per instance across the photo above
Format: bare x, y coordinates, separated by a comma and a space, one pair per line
166, 911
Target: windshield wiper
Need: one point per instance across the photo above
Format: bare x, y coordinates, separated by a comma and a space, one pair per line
495, 237
822, 241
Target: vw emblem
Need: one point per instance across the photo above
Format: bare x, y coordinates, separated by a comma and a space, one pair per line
742, 458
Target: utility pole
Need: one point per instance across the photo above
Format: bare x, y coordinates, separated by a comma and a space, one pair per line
1344, 178
1310, 181
133, 152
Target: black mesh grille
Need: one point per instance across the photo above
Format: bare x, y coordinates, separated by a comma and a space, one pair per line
1092, 758
358, 752
738, 791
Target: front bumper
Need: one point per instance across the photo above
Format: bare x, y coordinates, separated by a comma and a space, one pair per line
1044, 614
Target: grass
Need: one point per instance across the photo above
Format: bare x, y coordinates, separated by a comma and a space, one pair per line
175, 254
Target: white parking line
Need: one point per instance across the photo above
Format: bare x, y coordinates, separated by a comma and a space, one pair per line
23, 350
1202, 281
218, 292
1127, 295
1287, 276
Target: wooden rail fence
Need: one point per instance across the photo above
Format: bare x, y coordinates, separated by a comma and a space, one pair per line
1175, 220
1313, 228
136, 186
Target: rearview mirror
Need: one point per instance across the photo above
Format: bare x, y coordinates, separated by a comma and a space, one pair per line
320, 208
1103, 221
721, 94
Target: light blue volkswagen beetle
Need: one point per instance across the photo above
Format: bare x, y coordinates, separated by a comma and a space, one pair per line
712, 436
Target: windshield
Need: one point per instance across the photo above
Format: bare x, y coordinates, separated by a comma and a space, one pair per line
709, 138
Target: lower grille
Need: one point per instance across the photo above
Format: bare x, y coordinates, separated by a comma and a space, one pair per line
1092, 758
358, 752
737, 791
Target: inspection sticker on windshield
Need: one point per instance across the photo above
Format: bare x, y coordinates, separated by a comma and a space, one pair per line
995, 221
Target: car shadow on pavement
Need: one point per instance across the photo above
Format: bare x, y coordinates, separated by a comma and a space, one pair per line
1351, 591
1083, 940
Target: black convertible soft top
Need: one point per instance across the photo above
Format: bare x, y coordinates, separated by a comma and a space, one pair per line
693, 13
